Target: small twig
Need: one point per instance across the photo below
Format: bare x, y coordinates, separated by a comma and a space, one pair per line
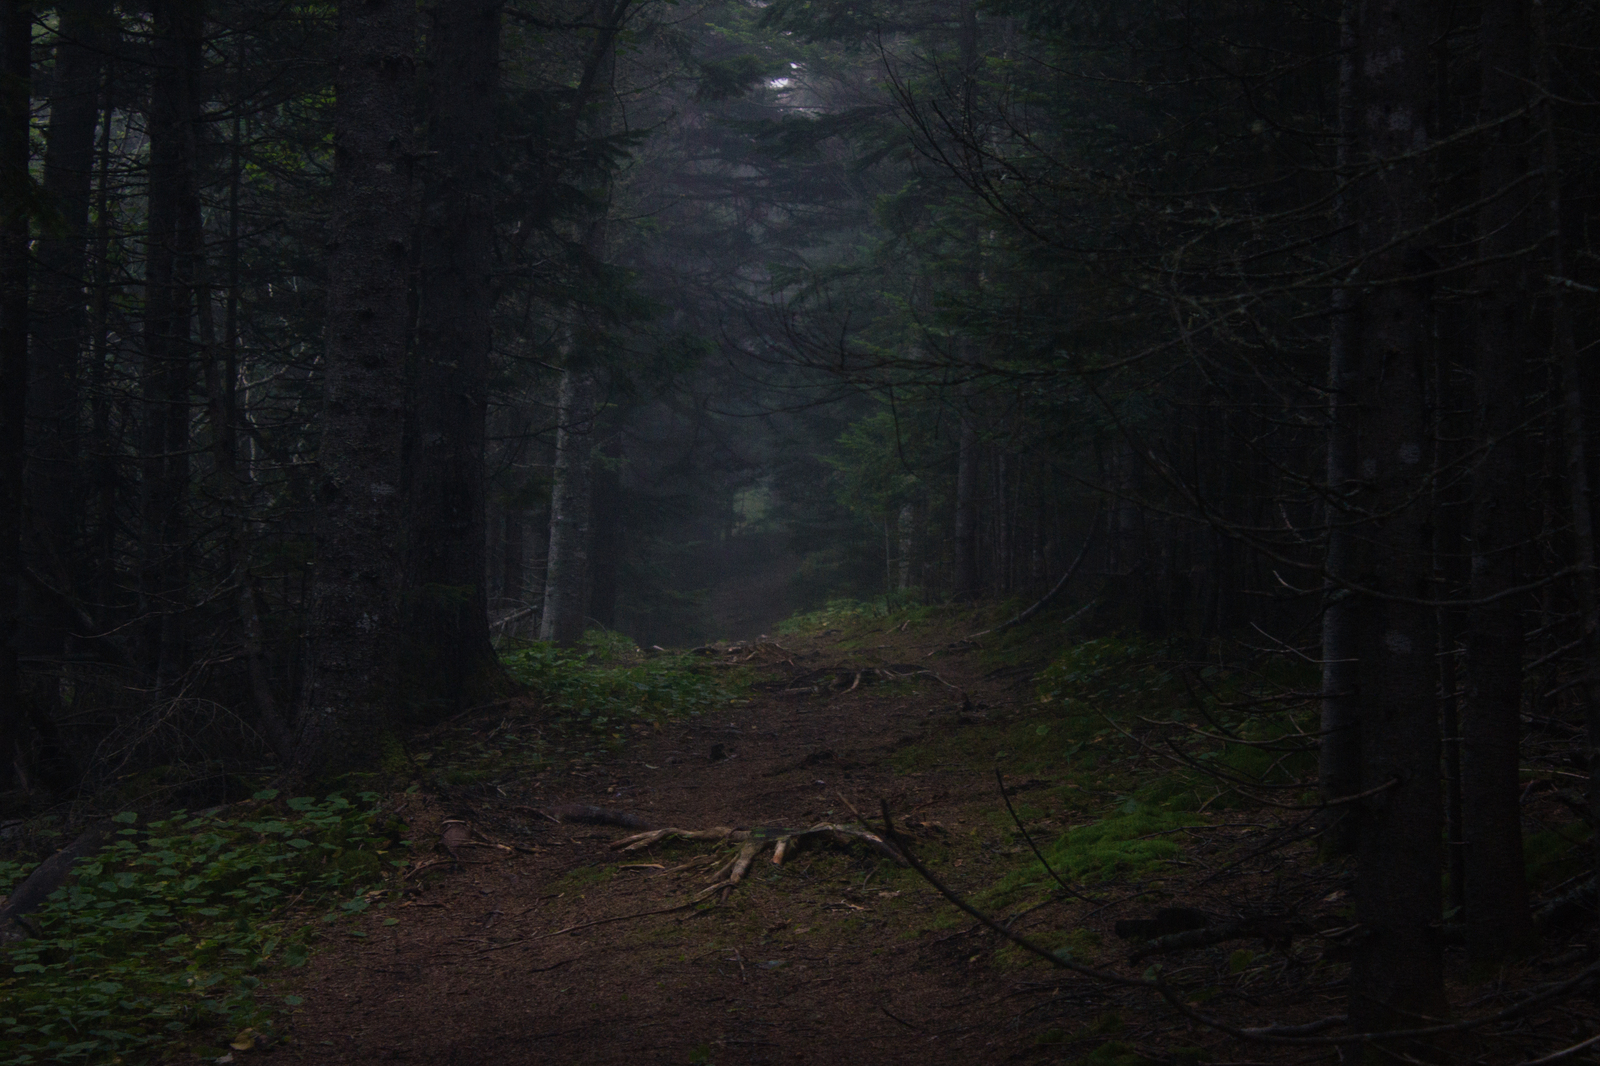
1557, 1056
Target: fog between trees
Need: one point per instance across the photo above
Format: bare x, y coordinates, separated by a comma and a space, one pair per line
341, 341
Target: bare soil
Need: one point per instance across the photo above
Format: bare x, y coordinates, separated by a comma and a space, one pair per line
835, 957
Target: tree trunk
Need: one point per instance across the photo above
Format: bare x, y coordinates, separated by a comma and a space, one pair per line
59, 318
359, 518
967, 459
1496, 892
451, 660
167, 371
514, 564
1396, 977
564, 609
605, 556
571, 495
1339, 758
16, 35
1580, 506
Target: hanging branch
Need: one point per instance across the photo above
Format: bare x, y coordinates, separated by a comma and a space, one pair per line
1088, 542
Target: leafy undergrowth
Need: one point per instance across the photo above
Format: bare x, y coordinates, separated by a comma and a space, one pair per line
585, 703
848, 615
173, 934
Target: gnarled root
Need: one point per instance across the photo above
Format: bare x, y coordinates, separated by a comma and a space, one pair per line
753, 841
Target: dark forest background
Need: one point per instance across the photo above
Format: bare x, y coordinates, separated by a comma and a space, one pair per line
342, 341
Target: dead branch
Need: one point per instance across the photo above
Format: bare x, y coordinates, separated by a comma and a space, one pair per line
753, 841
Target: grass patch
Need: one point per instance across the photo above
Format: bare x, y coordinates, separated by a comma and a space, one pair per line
171, 934
601, 688
589, 701
848, 615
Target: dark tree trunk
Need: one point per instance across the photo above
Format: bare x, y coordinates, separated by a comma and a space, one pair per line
967, 459
1575, 434
16, 35
605, 558
446, 596
1339, 759
355, 585
103, 468
167, 373
59, 318
1496, 893
514, 562
564, 583
1396, 977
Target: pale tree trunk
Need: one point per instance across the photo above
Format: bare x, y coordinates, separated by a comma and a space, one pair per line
1396, 976
572, 494
16, 33
450, 660
351, 639
1496, 892
969, 455
1339, 757
232, 493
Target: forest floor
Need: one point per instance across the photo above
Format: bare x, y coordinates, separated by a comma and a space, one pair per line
533, 941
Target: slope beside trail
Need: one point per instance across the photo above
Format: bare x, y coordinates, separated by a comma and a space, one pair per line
827, 958
837, 956
524, 940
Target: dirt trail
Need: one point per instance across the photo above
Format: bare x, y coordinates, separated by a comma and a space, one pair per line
831, 958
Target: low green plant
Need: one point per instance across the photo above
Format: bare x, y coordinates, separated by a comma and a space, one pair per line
594, 687
841, 613
171, 933
1133, 840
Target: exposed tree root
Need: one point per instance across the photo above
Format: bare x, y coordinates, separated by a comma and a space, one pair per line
753, 841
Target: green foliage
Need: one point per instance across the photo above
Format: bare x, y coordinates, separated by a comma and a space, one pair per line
1122, 845
595, 688
171, 933
1107, 677
846, 613
1116, 1053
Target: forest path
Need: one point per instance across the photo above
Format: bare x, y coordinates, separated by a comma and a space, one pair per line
835, 957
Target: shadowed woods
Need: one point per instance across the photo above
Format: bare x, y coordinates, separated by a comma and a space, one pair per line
440, 440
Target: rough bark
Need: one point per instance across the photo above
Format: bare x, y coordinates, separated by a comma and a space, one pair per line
167, 371
564, 608
1339, 757
571, 495
16, 29
1396, 976
1573, 405
359, 519
1496, 892
59, 319
967, 457
450, 659
605, 556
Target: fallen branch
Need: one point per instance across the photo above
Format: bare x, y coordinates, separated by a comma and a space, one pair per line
1288, 1034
